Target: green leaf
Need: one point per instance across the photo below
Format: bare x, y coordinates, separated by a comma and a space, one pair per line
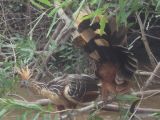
52, 25
56, 117
134, 5
79, 9
94, 117
53, 11
2, 112
127, 97
25, 50
92, 2
52, 46
18, 117
94, 13
102, 23
30, 106
67, 67
46, 2
24, 116
65, 3
157, 114
158, 5
36, 116
36, 4
46, 117
18, 104
121, 17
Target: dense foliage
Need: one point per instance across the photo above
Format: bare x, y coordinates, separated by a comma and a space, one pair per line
28, 40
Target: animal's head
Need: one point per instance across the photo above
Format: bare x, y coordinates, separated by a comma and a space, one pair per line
25, 75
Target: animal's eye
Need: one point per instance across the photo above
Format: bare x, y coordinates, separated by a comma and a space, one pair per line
24, 82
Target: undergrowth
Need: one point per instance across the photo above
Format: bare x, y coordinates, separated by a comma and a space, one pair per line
24, 33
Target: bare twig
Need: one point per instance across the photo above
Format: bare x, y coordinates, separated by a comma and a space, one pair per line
56, 33
27, 21
99, 105
67, 20
152, 77
18, 96
148, 92
114, 107
83, 110
46, 60
42, 102
144, 39
111, 107
145, 73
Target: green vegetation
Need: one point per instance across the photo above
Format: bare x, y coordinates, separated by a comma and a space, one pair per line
26, 38
26, 109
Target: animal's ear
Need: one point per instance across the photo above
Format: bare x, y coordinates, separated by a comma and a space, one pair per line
24, 73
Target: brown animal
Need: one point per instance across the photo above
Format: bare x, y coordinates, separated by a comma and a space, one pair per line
67, 91
115, 63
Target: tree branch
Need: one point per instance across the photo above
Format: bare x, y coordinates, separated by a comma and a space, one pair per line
144, 73
145, 42
146, 93
100, 104
67, 20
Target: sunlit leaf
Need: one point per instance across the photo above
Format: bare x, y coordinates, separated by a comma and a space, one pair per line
53, 11
93, 14
46, 2
102, 23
